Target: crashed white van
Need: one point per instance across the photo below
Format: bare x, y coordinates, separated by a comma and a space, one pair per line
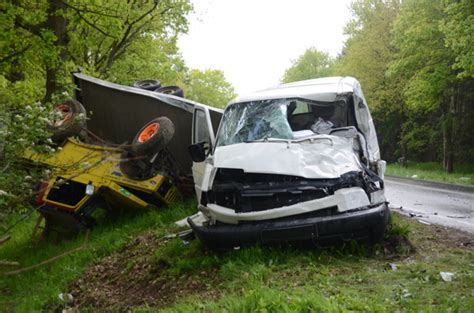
296, 163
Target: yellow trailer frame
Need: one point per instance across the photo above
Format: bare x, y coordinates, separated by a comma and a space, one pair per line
79, 164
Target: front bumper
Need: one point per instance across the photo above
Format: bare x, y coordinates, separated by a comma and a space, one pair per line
364, 225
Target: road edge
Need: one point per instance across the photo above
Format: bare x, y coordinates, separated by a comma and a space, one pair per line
429, 183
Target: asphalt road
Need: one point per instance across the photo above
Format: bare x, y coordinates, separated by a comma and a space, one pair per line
443, 204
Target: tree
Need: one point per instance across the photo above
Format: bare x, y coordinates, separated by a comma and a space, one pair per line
104, 32
311, 64
208, 87
366, 56
433, 84
46, 39
458, 28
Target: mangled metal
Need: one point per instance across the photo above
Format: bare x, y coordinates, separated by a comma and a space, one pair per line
295, 160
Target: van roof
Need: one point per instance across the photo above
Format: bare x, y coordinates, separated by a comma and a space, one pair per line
319, 89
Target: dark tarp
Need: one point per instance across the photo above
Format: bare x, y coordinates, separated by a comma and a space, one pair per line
116, 113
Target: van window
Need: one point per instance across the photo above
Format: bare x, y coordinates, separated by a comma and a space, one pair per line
201, 128
301, 107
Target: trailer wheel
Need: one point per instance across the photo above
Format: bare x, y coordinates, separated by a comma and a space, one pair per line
153, 137
70, 119
171, 90
147, 84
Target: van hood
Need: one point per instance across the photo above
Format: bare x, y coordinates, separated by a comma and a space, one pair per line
321, 158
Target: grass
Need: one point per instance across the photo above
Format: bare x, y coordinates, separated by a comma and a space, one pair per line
30, 290
463, 173
339, 279
352, 278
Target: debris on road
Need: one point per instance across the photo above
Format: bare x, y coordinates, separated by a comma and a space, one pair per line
424, 222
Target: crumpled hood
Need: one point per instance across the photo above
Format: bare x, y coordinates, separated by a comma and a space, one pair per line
328, 157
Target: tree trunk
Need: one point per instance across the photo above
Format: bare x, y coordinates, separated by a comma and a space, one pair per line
57, 23
445, 145
449, 135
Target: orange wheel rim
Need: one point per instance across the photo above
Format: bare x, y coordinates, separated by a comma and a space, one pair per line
148, 132
65, 114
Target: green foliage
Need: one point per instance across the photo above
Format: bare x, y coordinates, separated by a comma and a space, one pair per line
366, 56
124, 41
311, 64
458, 27
414, 62
398, 227
422, 57
208, 87
26, 45
149, 58
433, 84
23, 124
369, 50
268, 299
462, 175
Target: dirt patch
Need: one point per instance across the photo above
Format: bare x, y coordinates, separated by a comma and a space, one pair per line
432, 236
444, 236
132, 277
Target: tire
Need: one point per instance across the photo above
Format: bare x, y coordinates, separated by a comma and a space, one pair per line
147, 84
72, 119
153, 137
171, 90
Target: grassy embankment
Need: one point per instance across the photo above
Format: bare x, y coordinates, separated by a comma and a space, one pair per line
30, 291
463, 173
127, 266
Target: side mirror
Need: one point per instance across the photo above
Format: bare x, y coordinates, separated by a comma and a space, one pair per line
197, 151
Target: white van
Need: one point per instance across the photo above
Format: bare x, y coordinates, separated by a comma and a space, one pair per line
296, 163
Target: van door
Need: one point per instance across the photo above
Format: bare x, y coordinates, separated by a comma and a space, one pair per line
202, 134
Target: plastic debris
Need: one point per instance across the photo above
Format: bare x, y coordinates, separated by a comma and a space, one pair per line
446, 276
66, 297
185, 234
424, 222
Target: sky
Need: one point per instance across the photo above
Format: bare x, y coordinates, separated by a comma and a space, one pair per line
253, 42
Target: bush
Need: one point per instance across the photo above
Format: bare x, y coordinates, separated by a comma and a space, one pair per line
23, 122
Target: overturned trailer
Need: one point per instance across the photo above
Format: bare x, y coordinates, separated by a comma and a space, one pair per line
296, 163
101, 165
115, 112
